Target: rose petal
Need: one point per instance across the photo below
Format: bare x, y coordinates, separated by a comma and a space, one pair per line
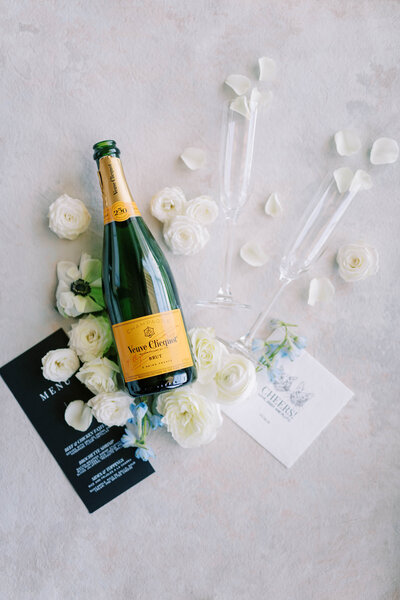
260, 99
78, 415
343, 177
361, 181
384, 151
273, 207
253, 254
321, 290
241, 106
267, 68
194, 158
239, 83
347, 142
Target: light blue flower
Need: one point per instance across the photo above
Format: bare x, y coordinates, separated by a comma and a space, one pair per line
129, 438
155, 421
144, 453
138, 411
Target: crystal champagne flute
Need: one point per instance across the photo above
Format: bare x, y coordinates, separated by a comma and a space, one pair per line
238, 133
318, 224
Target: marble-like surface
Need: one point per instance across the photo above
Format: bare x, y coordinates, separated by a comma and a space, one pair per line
226, 521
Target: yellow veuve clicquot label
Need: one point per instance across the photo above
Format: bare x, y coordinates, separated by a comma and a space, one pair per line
152, 345
118, 203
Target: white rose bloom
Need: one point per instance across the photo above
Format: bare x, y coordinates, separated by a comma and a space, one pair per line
112, 408
183, 235
90, 337
357, 261
168, 203
208, 353
236, 380
60, 365
191, 419
68, 217
99, 375
203, 209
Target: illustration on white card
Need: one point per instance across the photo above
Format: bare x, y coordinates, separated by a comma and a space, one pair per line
286, 415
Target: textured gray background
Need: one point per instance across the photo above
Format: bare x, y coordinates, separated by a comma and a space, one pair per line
226, 521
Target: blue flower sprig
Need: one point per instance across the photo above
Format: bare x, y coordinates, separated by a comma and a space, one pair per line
137, 428
272, 350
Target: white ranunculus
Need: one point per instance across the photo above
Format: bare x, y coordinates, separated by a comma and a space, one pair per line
99, 375
60, 365
183, 235
111, 408
78, 415
68, 217
203, 209
90, 337
189, 416
208, 353
168, 203
236, 380
357, 261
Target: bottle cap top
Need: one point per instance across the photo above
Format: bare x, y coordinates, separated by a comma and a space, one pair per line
105, 148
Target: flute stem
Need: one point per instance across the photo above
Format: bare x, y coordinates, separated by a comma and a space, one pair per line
225, 290
247, 339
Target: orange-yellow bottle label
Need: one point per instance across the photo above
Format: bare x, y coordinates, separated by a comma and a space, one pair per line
152, 345
118, 203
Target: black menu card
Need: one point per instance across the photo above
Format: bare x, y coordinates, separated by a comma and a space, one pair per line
94, 461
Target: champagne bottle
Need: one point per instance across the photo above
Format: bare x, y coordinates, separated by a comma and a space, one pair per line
139, 290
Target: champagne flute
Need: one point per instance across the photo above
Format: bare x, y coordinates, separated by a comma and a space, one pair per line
318, 224
238, 133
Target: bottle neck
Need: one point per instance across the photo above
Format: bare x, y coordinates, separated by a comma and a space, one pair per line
114, 187
118, 203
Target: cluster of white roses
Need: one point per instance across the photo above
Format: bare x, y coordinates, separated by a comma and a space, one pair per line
185, 222
89, 340
192, 414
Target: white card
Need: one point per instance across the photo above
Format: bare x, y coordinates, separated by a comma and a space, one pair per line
287, 415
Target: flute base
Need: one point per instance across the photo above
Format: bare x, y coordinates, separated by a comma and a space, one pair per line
224, 302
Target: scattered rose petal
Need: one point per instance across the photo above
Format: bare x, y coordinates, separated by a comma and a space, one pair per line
273, 207
78, 415
241, 106
239, 83
321, 290
384, 151
347, 142
253, 254
267, 68
194, 158
343, 177
361, 181
260, 99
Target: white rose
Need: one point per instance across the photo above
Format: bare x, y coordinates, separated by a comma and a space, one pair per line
68, 217
208, 353
168, 203
99, 375
191, 419
203, 209
60, 365
90, 337
183, 235
112, 408
236, 380
357, 261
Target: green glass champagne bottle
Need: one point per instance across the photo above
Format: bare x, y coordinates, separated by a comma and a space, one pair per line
139, 290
